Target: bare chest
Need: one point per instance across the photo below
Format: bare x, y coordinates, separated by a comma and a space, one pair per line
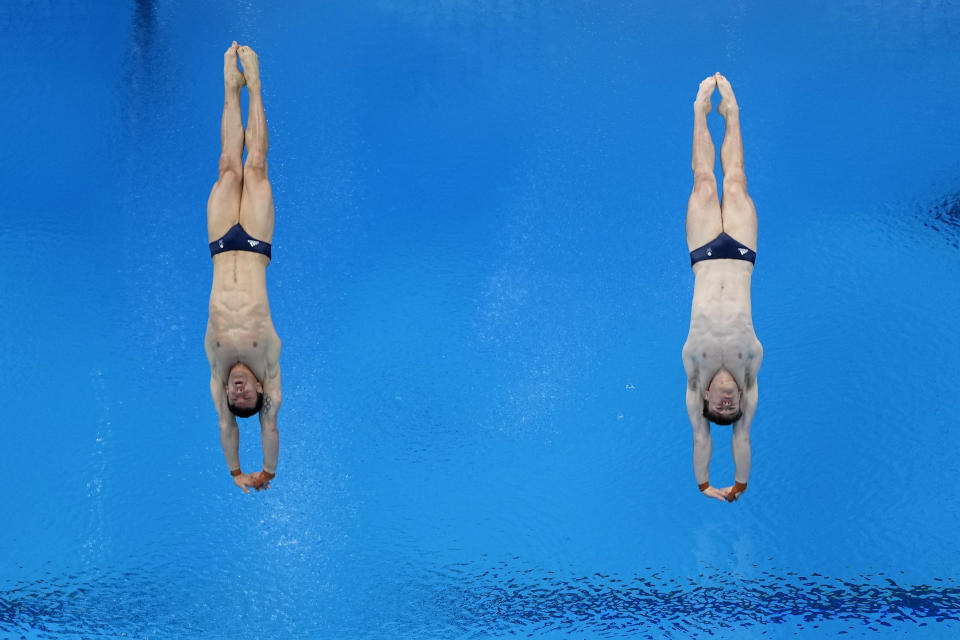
722, 341
228, 347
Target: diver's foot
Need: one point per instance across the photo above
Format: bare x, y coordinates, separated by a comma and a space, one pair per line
251, 66
702, 103
728, 104
232, 77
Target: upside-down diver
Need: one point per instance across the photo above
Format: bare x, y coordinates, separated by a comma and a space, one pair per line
241, 343
722, 354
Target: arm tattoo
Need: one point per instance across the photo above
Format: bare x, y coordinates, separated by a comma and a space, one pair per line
267, 405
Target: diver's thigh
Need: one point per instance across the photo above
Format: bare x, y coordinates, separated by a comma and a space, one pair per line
223, 205
704, 222
739, 214
256, 207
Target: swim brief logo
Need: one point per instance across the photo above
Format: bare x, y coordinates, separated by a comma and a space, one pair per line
220, 242
743, 251
253, 243
709, 252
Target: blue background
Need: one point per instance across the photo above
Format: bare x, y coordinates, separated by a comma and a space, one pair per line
481, 282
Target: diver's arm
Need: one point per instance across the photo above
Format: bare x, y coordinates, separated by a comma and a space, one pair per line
741, 440
741, 428
227, 422
270, 437
702, 444
229, 436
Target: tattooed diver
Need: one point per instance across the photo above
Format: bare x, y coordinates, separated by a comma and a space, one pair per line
242, 346
722, 354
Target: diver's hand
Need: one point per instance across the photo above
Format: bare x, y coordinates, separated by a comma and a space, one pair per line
714, 492
244, 480
261, 480
732, 494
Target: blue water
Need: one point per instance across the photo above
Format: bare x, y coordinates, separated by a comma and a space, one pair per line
481, 282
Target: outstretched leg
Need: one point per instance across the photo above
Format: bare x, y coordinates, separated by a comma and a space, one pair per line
739, 213
256, 203
703, 208
223, 205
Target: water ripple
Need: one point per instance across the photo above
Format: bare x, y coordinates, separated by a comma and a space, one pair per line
457, 602
663, 606
943, 216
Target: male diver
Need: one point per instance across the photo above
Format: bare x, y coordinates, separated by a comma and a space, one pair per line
722, 354
242, 346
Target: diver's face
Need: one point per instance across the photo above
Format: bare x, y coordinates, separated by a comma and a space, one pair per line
723, 395
243, 387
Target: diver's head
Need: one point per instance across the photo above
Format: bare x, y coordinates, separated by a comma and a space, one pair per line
721, 402
244, 391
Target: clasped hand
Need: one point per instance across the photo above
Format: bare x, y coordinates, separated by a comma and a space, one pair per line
257, 481
725, 494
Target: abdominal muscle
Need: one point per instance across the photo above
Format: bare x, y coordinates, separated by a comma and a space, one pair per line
722, 288
721, 326
240, 327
